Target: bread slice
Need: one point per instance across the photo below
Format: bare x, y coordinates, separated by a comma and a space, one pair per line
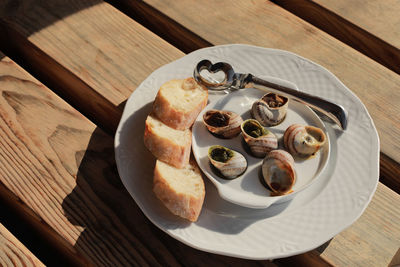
167, 144
180, 190
178, 102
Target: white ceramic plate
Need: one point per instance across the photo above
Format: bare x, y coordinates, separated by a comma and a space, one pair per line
247, 190
316, 214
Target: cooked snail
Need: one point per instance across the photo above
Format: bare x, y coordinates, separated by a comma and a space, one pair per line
303, 140
260, 140
278, 171
270, 110
222, 123
230, 163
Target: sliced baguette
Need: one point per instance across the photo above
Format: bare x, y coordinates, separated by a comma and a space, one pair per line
180, 190
167, 144
178, 102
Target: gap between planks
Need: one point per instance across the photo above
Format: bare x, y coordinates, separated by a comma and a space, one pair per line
33, 226
345, 31
13, 252
61, 81
160, 24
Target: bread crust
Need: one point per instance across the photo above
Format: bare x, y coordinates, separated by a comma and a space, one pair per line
173, 117
165, 149
184, 205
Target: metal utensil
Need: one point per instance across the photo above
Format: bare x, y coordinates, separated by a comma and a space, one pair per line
233, 80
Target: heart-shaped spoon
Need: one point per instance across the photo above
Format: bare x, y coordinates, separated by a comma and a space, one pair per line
233, 80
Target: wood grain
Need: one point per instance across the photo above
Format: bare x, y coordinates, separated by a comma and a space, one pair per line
41, 163
13, 252
59, 171
380, 18
371, 27
107, 50
160, 24
64, 83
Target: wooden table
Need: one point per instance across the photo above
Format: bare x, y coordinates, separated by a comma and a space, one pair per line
69, 66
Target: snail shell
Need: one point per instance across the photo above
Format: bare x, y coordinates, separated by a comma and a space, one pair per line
303, 140
270, 110
225, 124
278, 171
230, 163
260, 140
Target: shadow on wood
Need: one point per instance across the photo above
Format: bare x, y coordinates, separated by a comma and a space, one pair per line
28, 11
114, 230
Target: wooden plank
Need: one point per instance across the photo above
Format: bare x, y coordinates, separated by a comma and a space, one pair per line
47, 162
44, 244
371, 27
59, 171
110, 52
272, 26
141, 12
372, 240
13, 252
63, 82
377, 17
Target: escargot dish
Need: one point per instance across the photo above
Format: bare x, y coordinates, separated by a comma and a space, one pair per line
222, 123
278, 171
270, 110
260, 140
303, 140
230, 163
